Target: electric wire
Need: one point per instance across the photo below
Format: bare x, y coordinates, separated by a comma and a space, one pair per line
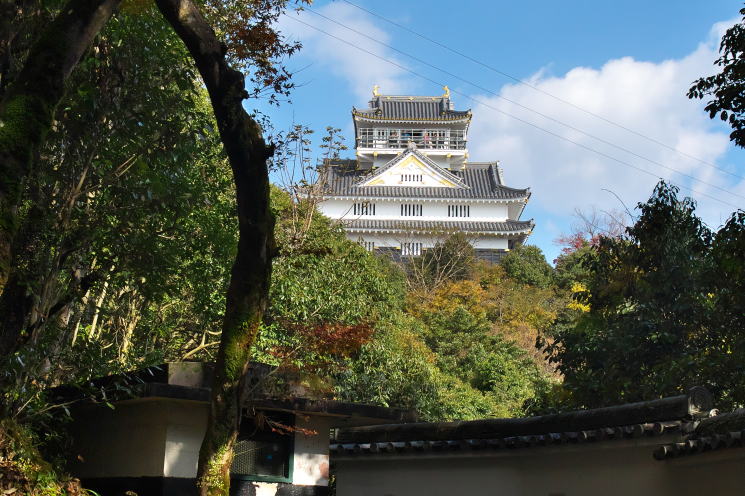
517, 104
544, 92
556, 135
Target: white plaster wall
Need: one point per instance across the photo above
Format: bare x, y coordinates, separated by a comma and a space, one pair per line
514, 210
391, 210
491, 243
412, 164
380, 241
628, 470
336, 209
709, 474
187, 423
311, 460
395, 240
162, 438
128, 441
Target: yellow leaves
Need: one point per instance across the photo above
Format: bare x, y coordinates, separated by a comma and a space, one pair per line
466, 294
575, 305
577, 289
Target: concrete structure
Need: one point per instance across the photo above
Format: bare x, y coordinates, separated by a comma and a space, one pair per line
412, 185
639, 449
149, 443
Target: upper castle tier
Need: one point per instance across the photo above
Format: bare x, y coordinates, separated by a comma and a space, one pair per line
430, 122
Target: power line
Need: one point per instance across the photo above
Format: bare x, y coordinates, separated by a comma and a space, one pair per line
545, 116
539, 90
597, 152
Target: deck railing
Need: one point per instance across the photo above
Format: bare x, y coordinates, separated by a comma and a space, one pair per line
432, 139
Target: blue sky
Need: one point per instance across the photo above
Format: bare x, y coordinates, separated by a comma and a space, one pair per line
629, 62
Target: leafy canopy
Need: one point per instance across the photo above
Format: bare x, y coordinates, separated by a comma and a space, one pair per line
727, 88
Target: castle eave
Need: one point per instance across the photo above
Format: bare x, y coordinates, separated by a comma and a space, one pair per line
497, 229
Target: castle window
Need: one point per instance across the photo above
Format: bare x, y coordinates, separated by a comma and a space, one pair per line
459, 210
363, 208
411, 178
411, 210
411, 249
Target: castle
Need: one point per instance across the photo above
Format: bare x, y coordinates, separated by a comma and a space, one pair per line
411, 184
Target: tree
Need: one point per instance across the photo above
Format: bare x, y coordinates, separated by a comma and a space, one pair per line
526, 264
450, 259
647, 326
726, 341
248, 290
327, 296
727, 88
27, 110
587, 229
131, 193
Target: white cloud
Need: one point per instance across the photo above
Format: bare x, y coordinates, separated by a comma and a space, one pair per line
649, 98
361, 70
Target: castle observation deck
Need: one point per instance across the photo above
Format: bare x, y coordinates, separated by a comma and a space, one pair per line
391, 122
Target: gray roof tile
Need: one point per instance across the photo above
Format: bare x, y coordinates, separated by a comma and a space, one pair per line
507, 227
411, 108
482, 181
625, 432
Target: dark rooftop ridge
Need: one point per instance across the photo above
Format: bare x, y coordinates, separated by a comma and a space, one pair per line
412, 108
696, 404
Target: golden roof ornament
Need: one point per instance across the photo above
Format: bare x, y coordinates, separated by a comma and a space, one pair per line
447, 92
376, 90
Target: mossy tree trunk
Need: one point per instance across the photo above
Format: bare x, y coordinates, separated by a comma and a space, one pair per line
249, 282
27, 111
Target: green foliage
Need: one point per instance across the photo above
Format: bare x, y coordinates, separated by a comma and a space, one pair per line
395, 369
128, 223
24, 471
664, 310
526, 264
467, 349
727, 89
724, 345
327, 294
571, 267
132, 195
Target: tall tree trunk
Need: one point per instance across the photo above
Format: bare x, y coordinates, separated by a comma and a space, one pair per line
249, 281
27, 107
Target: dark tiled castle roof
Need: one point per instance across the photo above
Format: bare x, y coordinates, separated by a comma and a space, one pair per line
412, 108
482, 181
406, 226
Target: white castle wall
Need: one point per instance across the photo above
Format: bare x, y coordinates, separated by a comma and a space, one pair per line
431, 211
395, 240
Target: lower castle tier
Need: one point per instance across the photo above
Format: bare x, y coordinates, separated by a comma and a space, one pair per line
412, 185
411, 203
